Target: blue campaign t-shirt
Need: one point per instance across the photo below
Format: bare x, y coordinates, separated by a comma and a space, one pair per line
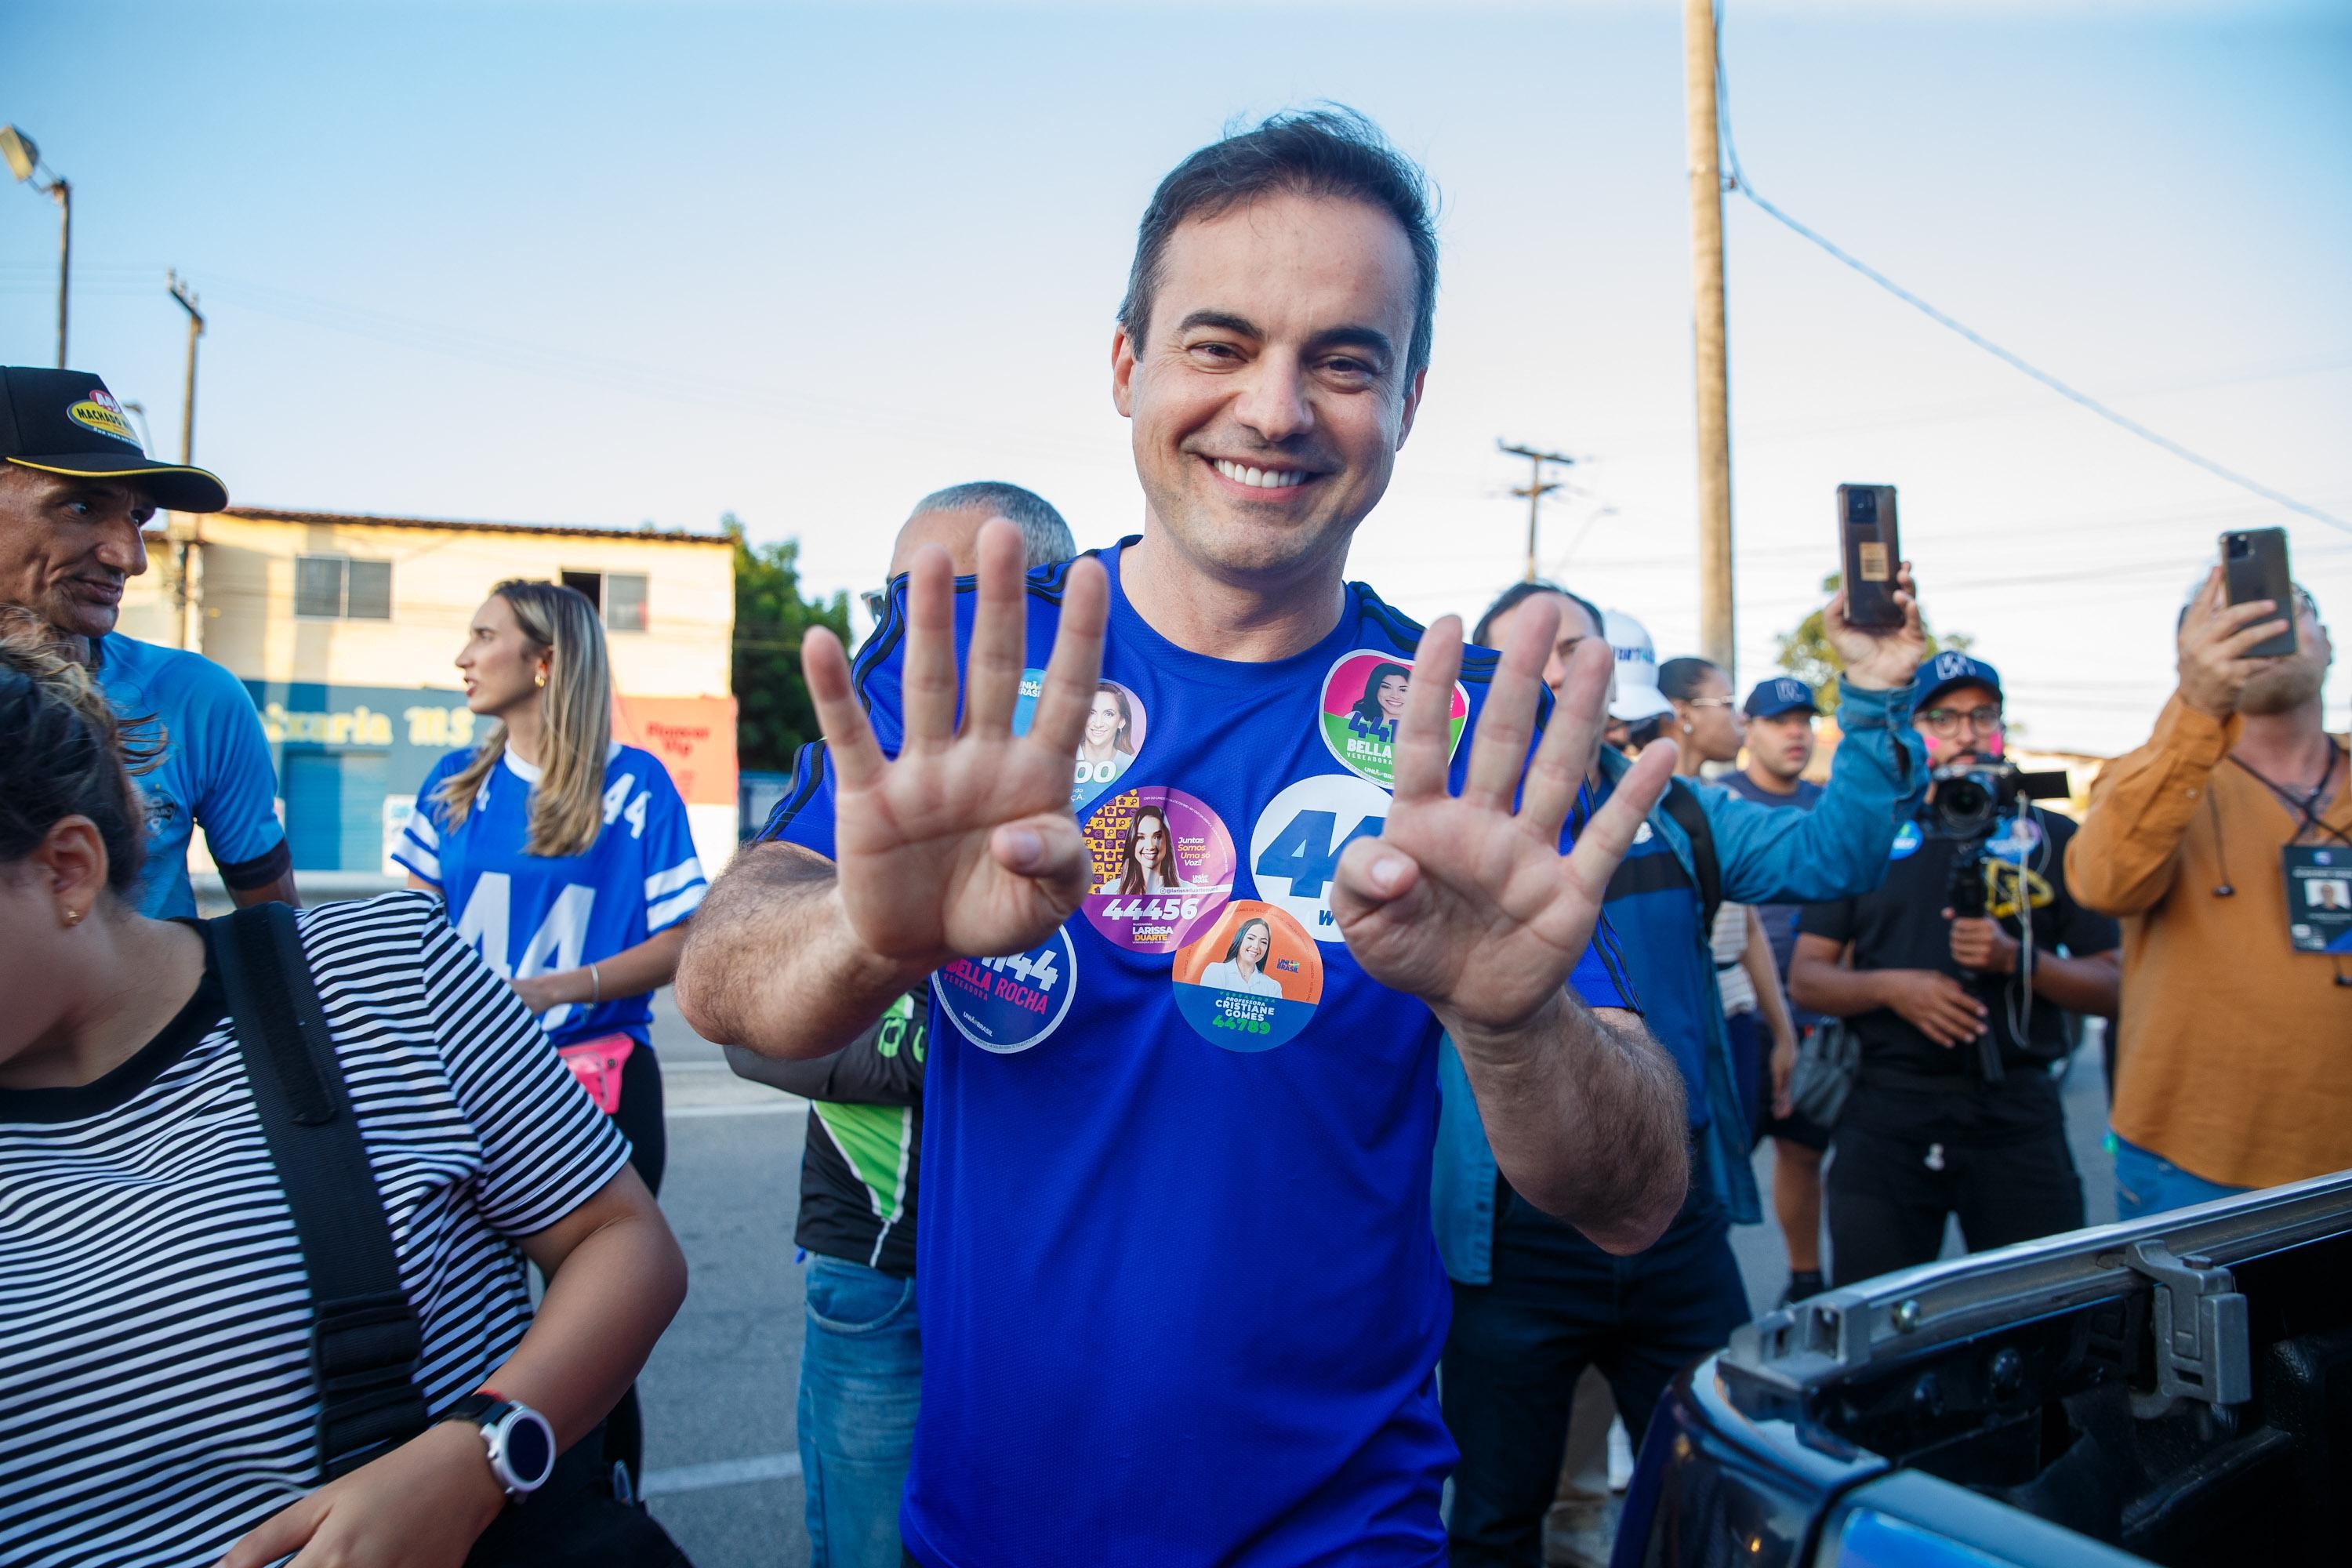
1654, 906
215, 770
1181, 1302
534, 914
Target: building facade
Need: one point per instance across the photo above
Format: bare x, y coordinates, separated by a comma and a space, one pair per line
345, 629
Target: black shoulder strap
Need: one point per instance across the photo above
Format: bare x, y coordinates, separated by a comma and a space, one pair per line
1682, 803
365, 1338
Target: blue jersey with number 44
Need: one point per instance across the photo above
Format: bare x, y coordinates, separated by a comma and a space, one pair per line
1181, 1302
534, 914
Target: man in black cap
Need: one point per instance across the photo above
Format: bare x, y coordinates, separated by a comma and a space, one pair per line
1938, 1124
1780, 713
76, 489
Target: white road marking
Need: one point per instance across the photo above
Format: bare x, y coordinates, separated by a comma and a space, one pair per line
721, 1473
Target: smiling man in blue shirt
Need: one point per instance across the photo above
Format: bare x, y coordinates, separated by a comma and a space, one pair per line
1181, 1301
76, 489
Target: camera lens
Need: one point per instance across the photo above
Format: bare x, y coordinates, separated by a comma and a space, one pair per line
2238, 547
1863, 505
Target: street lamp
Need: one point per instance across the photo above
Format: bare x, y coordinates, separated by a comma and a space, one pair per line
25, 163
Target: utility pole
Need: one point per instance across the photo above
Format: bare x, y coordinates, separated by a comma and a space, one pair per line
1717, 639
187, 299
1536, 488
24, 160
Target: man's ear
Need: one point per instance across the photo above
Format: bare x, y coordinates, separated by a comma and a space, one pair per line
1122, 373
1412, 404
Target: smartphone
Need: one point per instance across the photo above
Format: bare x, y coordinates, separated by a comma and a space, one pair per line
2254, 566
1872, 554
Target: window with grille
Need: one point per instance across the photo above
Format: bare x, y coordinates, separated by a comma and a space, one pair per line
335, 587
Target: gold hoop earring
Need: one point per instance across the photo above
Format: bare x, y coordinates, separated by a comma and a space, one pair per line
540, 679
73, 917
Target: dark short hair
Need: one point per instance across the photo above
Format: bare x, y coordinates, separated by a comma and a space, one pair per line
1043, 533
1678, 679
1518, 594
1328, 152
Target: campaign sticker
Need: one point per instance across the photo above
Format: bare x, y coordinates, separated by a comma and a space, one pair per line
1008, 1004
1025, 707
1363, 698
1251, 981
2016, 840
1160, 863
1908, 840
1296, 847
1106, 747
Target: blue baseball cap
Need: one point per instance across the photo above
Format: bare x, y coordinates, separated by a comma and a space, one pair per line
1951, 668
1781, 694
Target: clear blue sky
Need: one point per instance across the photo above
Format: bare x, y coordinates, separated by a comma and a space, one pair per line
610, 263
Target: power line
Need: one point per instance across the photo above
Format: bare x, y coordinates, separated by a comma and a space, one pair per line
1735, 179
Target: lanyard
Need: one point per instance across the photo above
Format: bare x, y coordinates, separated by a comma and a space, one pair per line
2306, 807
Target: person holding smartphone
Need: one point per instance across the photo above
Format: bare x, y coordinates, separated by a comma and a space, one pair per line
2229, 1068
563, 857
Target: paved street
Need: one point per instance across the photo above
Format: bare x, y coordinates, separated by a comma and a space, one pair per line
719, 1451
719, 1454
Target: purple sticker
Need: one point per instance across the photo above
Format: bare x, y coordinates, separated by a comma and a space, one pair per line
1161, 864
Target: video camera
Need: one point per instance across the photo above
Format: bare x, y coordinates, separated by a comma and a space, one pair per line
1969, 799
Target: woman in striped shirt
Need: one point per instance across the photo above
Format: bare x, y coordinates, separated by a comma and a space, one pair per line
157, 1400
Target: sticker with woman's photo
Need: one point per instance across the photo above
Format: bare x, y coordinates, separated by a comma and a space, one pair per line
1250, 981
1106, 747
1007, 1004
1363, 698
1160, 863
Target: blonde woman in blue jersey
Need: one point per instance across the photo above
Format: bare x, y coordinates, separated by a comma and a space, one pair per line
565, 860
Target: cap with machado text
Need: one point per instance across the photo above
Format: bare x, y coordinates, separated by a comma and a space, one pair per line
65, 422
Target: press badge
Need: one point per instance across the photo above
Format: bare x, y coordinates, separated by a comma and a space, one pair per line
2319, 898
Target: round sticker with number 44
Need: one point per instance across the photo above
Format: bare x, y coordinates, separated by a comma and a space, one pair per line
1296, 846
1008, 1004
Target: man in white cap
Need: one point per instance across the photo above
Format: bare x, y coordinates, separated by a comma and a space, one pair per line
1635, 703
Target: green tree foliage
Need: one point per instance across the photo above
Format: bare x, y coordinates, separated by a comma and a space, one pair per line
773, 713
1806, 653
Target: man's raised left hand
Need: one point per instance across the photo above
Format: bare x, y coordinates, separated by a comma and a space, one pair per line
1463, 900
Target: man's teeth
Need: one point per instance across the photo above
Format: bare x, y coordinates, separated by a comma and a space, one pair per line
1263, 479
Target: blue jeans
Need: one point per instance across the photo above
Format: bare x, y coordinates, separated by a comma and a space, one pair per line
2149, 1184
861, 1384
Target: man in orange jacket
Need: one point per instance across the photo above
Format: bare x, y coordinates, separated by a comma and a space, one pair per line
2219, 840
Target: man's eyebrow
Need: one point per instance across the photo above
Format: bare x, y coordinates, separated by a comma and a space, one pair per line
1353, 336
1222, 320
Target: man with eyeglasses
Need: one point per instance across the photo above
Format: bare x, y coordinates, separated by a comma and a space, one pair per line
2217, 837
1934, 1127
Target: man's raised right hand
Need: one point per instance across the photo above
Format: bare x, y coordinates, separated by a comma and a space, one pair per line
2214, 637
963, 845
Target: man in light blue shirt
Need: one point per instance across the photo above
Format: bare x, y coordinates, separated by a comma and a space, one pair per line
76, 487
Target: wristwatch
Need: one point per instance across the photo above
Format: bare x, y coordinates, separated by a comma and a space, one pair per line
521, 1444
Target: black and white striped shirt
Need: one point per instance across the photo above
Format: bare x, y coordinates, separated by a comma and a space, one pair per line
156, 1397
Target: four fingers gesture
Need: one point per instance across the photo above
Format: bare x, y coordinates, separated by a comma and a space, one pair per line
963, 845
1467, 901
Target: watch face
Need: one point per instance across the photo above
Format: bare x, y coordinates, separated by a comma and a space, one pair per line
528, 1447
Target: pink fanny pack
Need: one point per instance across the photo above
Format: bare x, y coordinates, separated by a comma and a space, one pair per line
598, 1065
